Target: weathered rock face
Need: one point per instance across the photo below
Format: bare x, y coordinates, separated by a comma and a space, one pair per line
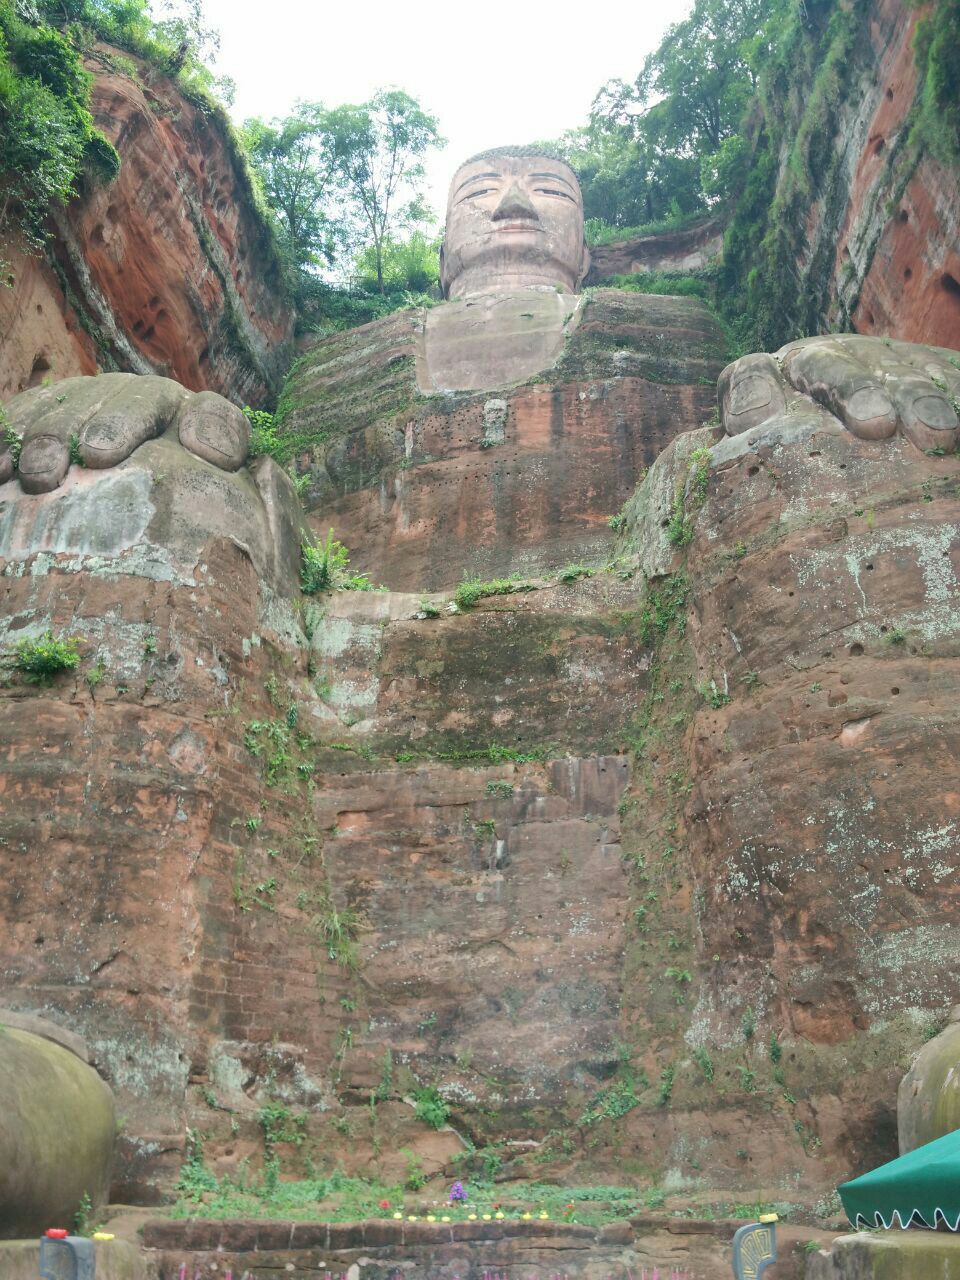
313, 860
689, 249
169, 269
815, 916
882, 242
429, 489
57, 1132
678, 837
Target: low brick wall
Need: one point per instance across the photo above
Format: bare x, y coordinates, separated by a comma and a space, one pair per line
386, 1250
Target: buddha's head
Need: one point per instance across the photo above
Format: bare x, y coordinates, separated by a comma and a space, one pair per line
514, 221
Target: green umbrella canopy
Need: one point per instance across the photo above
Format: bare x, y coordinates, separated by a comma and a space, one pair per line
921, 1187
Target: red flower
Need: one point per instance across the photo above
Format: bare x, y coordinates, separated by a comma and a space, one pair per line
384, 1204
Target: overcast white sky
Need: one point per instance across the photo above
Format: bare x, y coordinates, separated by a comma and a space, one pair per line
492, 74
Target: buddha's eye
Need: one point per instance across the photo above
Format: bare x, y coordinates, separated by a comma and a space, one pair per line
484, 191
550, 191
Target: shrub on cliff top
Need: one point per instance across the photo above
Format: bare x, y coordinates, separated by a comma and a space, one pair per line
47, 138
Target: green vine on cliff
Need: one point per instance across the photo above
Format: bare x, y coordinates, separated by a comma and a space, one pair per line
936, 49
804, 81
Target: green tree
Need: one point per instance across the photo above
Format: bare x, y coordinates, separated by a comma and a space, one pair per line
659, 146
294, 161
411, 265
378, 149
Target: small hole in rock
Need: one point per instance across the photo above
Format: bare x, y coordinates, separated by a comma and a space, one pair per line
903, 216
752, 471
856, 650
895, 691
907, 273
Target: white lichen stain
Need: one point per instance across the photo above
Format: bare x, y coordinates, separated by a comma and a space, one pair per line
819, 570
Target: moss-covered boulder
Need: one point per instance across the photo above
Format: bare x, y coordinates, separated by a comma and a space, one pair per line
928, 1101
57, 1130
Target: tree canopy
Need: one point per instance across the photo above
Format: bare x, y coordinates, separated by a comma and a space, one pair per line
294, 162
659, 146
378, 149
345, 186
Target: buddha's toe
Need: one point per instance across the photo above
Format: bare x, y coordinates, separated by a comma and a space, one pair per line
751, 392
141, 409
215, 430
44, 461
822, 370
928, 417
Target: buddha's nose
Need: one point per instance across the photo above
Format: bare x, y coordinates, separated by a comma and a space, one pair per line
514, 204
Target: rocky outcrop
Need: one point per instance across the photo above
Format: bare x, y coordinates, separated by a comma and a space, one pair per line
676, 815
888, 1256
687, 249
881, 233
169, 269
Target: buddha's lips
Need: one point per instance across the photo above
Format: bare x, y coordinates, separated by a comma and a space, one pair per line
519, 226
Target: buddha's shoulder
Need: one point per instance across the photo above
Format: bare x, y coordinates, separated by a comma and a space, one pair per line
626, 333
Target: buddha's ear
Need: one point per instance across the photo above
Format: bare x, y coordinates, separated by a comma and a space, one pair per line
585, 261
443, 283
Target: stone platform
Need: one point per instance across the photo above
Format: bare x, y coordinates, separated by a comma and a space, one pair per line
889, 1255
525, 1250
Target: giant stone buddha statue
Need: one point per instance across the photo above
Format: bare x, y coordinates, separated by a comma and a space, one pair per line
512, 266
492, 434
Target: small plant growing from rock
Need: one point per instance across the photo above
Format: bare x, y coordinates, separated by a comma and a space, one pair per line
95, 674
499, 787
10, 438
571, 572
712, 693
430, 1107
415, 1178
321, 563
747, 1079
473, 589
38, 661
704, 1062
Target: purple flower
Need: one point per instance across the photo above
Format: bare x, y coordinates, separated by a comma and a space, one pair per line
457, 1192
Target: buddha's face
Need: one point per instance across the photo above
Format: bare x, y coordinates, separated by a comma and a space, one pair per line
513, 222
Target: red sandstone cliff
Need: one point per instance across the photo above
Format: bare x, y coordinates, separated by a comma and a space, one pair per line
890, 232
169, 269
